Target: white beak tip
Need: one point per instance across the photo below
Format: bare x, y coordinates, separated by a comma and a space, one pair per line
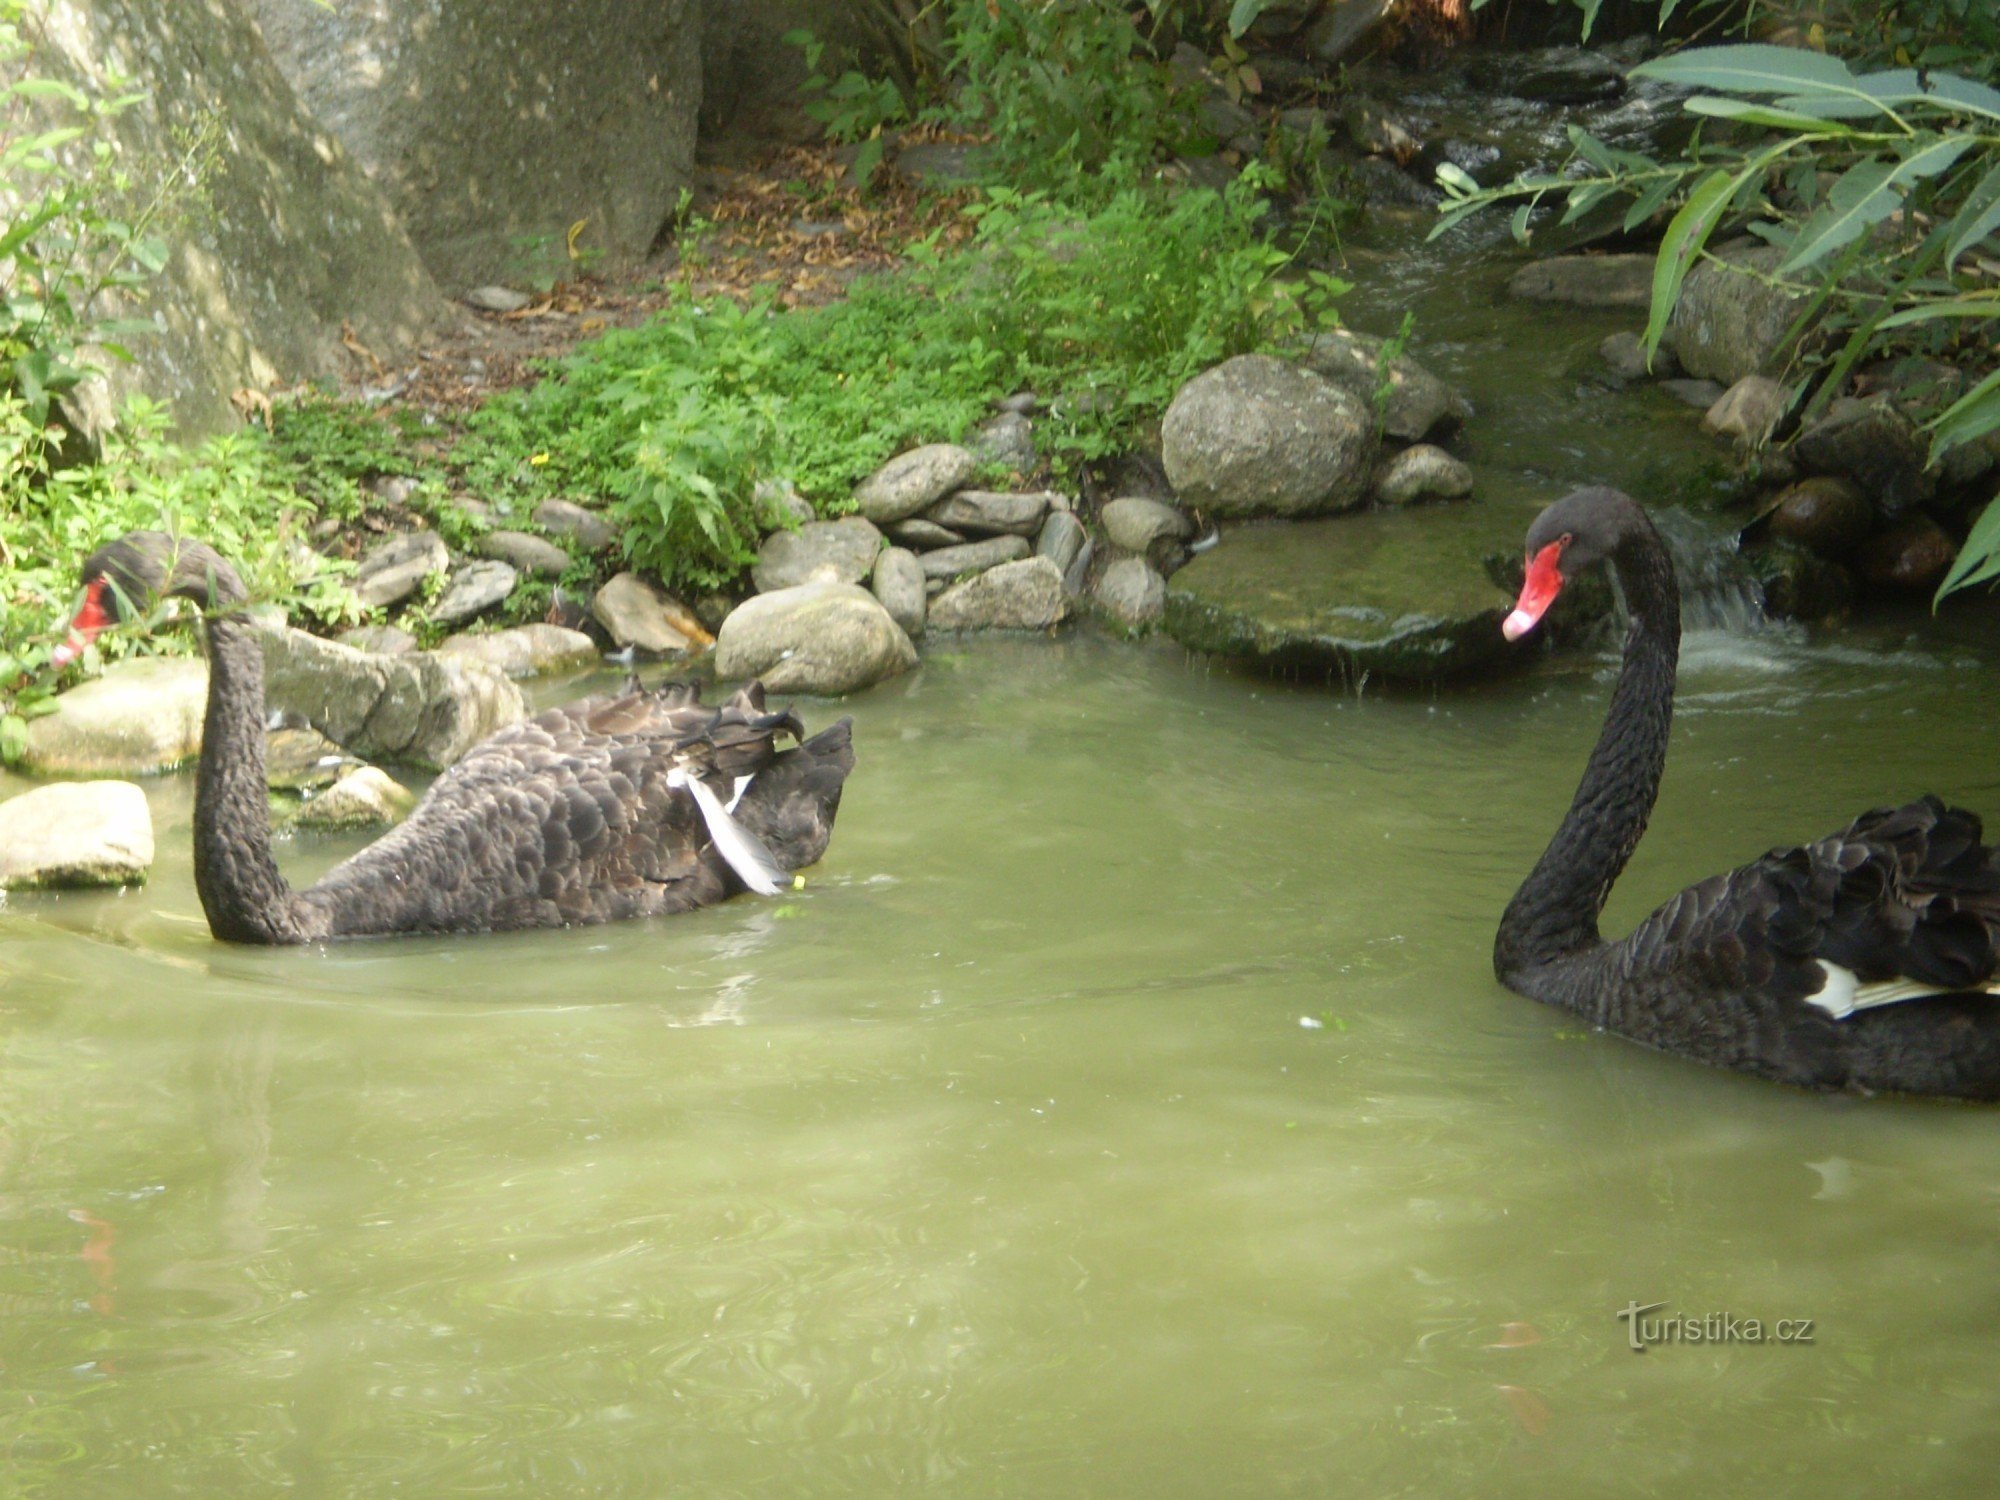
1517, 624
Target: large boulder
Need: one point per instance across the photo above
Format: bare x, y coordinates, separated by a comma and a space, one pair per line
826, 638
992, 512
291, 245
913, 481
1256, 436
1586, 281
1416, 401
947, 563
422, 709
843, 550
1131, 595
1400, 594
1874, 445
1023, 595
1729, 322
494, 126
636, 612
141, 717
77, 833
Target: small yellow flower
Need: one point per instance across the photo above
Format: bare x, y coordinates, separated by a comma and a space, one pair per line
537, 460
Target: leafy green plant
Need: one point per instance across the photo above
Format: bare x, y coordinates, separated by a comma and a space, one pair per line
853, 107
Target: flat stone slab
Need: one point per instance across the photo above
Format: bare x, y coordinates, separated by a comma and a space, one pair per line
78, 833
143, 716
526, 650
1392, 594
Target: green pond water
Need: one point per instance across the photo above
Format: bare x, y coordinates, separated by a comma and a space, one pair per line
1124, 1108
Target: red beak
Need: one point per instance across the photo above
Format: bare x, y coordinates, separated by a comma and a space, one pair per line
90, 622
1544, 582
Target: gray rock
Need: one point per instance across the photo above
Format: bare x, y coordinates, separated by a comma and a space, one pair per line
990, 513
526, 650
1021, 403
389, 640
843, 550
1701, 394
1132, 595
422, 709
1748, 410
1422, 472
1342, 26
1728, 323
530, 554
1135, 524
364, 797
1797, 583
590, 531
634, 612
920, 535
141, 717
496, 299
299, 759
1912, 553
1375, 130
1828, 514
1417, 401
780, 506
821, 637
1401, 594
395, 568
1586, 281
1258, 437
1061, 539
1024, 595
475, 588
899, 584
1625, 353
949, 562
78, 833
1077, 575
1009, 439
1550, 75
1873, 444
944, 165
911, 481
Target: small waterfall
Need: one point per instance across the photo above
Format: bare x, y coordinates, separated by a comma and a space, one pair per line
1718, 592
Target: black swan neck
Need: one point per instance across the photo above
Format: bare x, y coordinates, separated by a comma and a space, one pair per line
244, 896
1553, 917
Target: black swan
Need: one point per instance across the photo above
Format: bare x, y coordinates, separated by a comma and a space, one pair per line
633, 804
1866, 961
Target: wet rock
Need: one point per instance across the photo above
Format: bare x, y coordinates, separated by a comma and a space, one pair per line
1729, 324
1748, 410
530, 554
1829, 515
1422, 472
991, 513
1061, 538
422, 709
474, 589
1024, 595
1374, 129
1418, 401
1550, 75
1914, 554
1625, 354
364, 797
1586, 281
1873, 444
1392, 593
820, 637
78, 833
1342, 26
1132, 595
396, 568
843, 550
1702, 394
1256, 436
1009, 439
634, 612
389, 640
1798, 584
299, 759
141, 717
496, 299
920, 535
899, 585
911, 481
1136, 524
780, 506
526, 650
972, 557
587, 529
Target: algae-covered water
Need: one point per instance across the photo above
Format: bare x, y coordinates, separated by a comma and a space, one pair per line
1124, 1108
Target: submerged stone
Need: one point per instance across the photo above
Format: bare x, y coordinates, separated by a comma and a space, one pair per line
1395, 594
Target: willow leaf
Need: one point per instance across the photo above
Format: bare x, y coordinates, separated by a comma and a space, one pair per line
1860, 199
1769, 115
1972, 415
1977, 217
1752, 68
1959, 307
1979, 559
1682, 242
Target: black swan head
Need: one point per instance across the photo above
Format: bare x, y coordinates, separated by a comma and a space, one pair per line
123, 580
1578, 532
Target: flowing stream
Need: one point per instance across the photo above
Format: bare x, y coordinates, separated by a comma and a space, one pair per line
1125, 1108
